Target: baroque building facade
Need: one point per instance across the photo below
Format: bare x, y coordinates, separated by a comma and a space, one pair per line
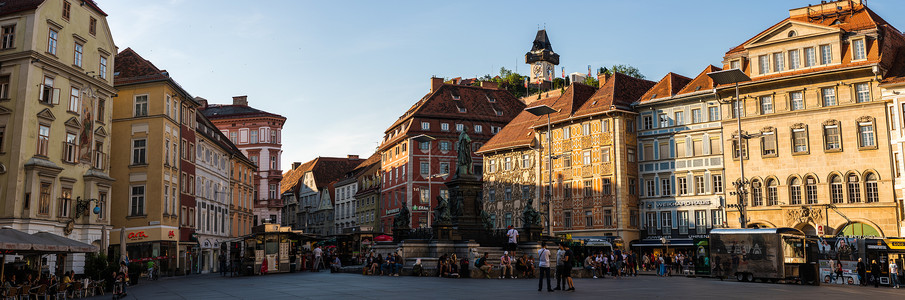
817, 156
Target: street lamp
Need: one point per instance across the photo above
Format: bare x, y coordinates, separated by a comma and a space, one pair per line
541, 110
728, 77
423, 138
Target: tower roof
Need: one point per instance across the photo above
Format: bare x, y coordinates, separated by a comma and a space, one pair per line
541, 50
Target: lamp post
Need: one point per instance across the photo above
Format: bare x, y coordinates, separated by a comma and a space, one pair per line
423, 138
728, 77
541, 110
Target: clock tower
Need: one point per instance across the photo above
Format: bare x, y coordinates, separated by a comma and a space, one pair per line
541, 58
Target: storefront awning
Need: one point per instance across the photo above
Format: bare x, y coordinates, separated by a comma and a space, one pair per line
657, 243
18, 241
66, 244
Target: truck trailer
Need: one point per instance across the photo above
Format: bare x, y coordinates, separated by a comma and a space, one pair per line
766, 254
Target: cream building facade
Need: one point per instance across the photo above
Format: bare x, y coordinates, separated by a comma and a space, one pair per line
56, 80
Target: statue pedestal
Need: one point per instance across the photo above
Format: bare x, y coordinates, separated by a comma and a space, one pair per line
400, 234
465, 190
532, 233
445, 232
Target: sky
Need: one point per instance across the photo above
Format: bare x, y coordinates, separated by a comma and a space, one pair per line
341, 72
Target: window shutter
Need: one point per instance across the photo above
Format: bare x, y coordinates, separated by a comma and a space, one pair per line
706, 141
672, 184
708, 187
657, 185
656, 146
56, 97
672, 148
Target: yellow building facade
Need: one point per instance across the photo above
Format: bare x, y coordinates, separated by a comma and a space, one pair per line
55, 116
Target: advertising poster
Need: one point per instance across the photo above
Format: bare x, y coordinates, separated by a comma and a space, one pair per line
839, 251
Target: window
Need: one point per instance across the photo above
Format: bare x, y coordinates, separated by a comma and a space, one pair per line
605, 155
717, 182
664, 150
606, 186
92, 26
526, 161
796, 100
854, 189
567, 219
700, 221
70, 148
607, 217
567, 190
444, 126
871, 186
768, 143
586, 158
631, 186
102, 68
65, 202
234, 137
795, 191
526, 192
631, 154
444, 168
717, 217
836, 189
810, 57
137, 203
604, 125
43, 139
666, 222
102, 203
651, 187
682, 185
273, 163
700, 185
826, 54
862, 92
460, 127
139, 152
77, 55
507, 164
9, 37
831, 137
664, 120
771, 193
779, 63
651, 223
810, 189
566, 133
794, 60
735, 64
507, 193
589, 219
52, 37
648, 121
141, 105
714, 112
858, 49
66, 9
829, 96
253, 138
757, 194
683, 221
736, 151
680, 118
444, 145
629, 126
665, 187
44, 200
696, 115
799, 140
478, 129
766, 105
49, 95
763, 64
738, 109
866, 134
74, 99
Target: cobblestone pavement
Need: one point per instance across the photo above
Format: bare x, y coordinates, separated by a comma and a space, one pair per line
325, 285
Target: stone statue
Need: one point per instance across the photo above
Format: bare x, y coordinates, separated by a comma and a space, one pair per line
485, 221
456, 208
530, 216
441, 213
402, 219
464, 164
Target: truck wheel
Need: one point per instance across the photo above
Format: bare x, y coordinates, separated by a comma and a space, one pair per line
774, 280
740, 277
749, 277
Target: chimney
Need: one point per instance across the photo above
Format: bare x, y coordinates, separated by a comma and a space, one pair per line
202, 101
353, 156
488, 84
602, 79
436, 83
240, 100
296, 165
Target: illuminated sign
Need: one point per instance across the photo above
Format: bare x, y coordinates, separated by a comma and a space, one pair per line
137, 235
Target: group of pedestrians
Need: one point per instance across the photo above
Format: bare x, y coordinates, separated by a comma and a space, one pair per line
617, 264
378, 265
875, 273
666, 264
564, 260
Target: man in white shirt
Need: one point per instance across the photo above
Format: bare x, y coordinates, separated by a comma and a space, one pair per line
318, 258
893, 273
543, 262
513, 239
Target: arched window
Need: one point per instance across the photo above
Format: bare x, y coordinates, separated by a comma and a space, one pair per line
854, 189
795, 191
792, 33
771, 192
810, 189
836, 189
870, 186
757, 193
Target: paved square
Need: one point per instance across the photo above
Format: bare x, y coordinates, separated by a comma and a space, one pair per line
325, 285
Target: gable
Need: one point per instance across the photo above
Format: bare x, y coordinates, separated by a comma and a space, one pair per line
73, 122
46, 114
100, 131
781, 33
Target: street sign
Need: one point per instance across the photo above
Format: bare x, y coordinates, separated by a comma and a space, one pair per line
820, 230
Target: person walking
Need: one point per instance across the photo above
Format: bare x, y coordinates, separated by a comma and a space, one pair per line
893, 273
543, 262
560, 280
222, 259
875, 272
862, 272
568, 258
318, 259
839, 271
513, 239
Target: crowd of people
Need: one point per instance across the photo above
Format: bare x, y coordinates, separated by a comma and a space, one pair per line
667, 264
378, 265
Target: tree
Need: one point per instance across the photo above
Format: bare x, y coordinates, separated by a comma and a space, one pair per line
624, 69
510, 81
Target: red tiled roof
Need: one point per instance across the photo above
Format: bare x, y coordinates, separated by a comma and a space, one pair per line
14, 6
567, 104
519, 132
440, 104
670, 85
620, 91
701, 82
224, 111
130, 67
326, 171
373, 159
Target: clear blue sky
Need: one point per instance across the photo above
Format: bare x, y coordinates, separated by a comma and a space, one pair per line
342, 71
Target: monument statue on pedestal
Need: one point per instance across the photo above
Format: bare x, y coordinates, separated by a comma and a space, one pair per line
401, 221
464, 163
441, 213
530, 216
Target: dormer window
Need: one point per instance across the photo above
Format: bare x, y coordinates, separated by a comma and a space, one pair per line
454, 94
735, 64
490, 98
858, 50
498, 112
462, 109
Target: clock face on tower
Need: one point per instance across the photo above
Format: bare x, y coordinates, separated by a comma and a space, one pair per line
537, 69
